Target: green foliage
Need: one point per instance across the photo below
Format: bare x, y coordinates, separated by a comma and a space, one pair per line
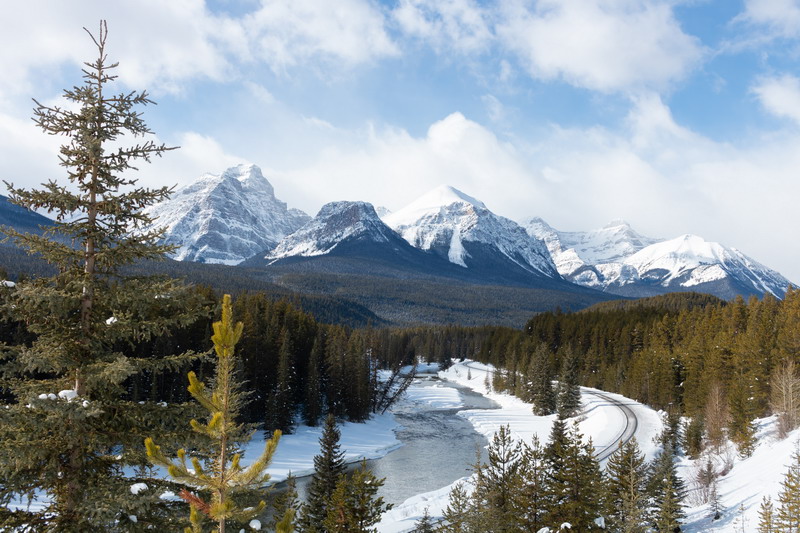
766, 516
787, 516
626, 475
329, 467
69, 427
425, 523
354, 506
222, 476
666, 492
284, 507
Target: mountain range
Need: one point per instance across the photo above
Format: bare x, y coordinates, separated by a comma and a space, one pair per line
446, 257
235, 218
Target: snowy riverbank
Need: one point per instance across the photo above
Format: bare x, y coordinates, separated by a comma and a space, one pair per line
600, 420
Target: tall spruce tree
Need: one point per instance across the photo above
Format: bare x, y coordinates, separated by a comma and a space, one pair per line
626, 479
766, 516
355, 506
530, 500
787, 517
497, 482
569, 391
459, 513
541, 392
68, 431
329, 466
222, 477
666, 491
574, 484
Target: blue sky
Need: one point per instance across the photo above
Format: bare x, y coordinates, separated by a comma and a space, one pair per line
680, 116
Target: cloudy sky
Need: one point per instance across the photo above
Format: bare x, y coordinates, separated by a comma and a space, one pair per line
679, 116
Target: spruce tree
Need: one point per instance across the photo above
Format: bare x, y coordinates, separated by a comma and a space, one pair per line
284, 505
329, 466
529, 501
425, 523
569, 391
627, 475
355, 506
788, 514
497, 482
223, 477
284, 387
459, 513
665, 489
766, 516
542, 394
574, 485
312, 407
69, 430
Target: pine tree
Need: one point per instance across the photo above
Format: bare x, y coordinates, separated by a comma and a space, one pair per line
766, 516
222, 476
284, 389
714, 501
787, 518
529, 501
329, 466
574, 485
693, 436
285, 505
425, 523
665, 490
312, 407
627, 475
497, 482
355, 506
541, 382
459, 514
569, 392
55, 445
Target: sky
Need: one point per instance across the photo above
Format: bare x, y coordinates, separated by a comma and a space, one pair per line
678, 116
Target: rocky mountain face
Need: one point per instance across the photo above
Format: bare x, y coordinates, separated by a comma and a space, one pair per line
464, 231
226, 218
619, 260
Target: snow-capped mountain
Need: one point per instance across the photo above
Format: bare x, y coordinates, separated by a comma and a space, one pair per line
226, 218
336, 223
619, 260
461, 229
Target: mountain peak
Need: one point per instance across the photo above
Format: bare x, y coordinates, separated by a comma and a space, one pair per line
335, 223
442, 196
617, 222
225, 217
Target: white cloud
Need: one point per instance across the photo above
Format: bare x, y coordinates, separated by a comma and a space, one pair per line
287, 33
782, 16
158, 44
446, 24
659, 175
616, 45
780, 96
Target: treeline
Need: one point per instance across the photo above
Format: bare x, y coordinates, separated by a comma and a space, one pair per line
293, 368
721, 363
541, 487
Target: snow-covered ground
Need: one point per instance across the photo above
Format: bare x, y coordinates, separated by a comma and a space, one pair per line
296, 452
747, 482
600, 421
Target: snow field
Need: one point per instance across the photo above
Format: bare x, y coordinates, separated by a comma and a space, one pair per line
747, 482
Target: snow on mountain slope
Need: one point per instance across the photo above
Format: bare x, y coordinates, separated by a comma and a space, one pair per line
617, 259
459, 227
226, 218
690, 260
335, 223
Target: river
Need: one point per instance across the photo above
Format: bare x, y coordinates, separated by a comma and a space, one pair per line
438, 448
